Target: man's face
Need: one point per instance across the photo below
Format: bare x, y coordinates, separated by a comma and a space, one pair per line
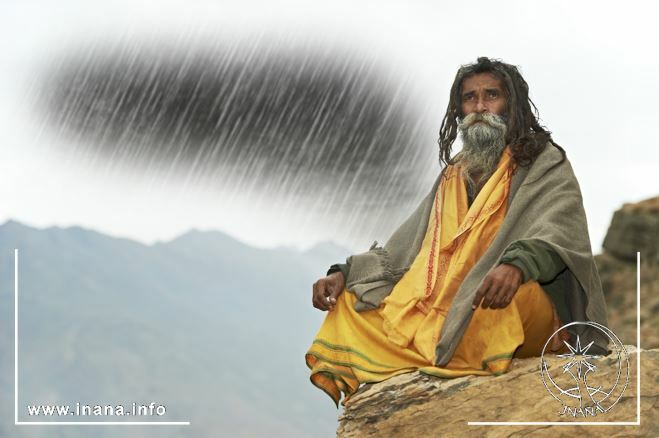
483, 125
483, 92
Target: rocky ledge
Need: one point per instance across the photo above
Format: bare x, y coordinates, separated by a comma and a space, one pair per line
418, 405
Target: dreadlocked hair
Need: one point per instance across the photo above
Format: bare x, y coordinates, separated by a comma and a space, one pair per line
526, 137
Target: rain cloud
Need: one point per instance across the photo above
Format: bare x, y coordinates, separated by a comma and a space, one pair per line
258, 117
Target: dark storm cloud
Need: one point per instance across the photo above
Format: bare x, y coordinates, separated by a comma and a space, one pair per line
274, 115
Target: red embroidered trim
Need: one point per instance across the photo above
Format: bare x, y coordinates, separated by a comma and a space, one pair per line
434, 242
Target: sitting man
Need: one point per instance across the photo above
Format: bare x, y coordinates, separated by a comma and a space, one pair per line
490, 264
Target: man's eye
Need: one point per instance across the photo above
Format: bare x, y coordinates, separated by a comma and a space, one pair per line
468, 97
493, 94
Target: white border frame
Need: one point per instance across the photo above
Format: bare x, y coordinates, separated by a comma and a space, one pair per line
469, 423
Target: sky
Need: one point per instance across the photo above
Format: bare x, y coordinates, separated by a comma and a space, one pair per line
591, 68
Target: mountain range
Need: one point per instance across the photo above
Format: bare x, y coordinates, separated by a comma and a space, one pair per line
212, 328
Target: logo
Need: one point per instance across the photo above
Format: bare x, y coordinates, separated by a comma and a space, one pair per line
586, 384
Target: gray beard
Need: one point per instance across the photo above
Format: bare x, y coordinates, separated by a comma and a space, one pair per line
483, 144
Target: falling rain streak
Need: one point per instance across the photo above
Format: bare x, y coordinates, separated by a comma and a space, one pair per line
316, 129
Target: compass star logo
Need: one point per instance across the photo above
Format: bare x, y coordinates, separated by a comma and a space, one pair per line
583, 381
578, 358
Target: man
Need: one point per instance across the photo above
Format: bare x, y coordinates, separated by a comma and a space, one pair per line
487, 268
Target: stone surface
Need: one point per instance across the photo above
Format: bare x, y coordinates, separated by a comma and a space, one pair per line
635, 227
619, 284
418, 405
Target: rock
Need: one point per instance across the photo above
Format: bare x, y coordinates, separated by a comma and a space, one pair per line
619, 284
419, 405
635, 227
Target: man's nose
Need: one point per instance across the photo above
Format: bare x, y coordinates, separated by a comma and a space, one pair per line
480, 106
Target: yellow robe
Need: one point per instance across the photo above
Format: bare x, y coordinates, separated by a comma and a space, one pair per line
358, 347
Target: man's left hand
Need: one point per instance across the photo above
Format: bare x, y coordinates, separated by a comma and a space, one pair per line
499, 287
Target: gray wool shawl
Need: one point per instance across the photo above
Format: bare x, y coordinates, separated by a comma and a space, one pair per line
544, 204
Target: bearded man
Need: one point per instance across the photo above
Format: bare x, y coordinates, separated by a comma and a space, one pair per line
492, 262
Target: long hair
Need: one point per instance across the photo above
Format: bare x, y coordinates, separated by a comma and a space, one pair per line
526, 137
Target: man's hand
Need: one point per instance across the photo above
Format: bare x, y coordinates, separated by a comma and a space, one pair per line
327, 290
499, 287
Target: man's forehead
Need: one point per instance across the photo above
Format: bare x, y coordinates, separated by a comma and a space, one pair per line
481, 80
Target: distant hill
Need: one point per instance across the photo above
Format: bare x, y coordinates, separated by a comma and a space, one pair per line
212, 328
